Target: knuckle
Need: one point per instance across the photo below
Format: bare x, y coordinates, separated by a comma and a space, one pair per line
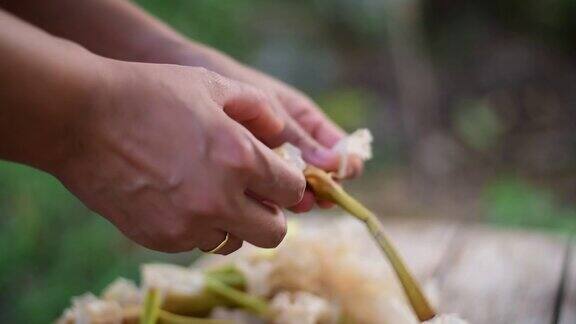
207, 210
202, 71
217, 84
240, 156
259, 94
196, 74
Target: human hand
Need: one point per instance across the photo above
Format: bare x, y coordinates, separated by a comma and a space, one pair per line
130, 34
170, 155
307, 126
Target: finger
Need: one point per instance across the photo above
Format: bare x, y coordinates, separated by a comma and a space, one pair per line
248, 106
261, 225
320, 156
231, 246
306, 204
312, 151
312, 119
324, 204
251, 109
213, 238
355, 167
275, 180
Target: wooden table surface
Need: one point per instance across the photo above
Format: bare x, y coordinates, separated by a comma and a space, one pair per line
492, 275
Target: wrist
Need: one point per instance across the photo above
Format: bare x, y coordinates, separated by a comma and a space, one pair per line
56, 108
90, 84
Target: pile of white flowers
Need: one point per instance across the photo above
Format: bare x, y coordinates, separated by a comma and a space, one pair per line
326, 271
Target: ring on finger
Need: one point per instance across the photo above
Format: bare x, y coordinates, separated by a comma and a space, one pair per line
221, 245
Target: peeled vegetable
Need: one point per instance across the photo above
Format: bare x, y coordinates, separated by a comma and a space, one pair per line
358, 144
325, 272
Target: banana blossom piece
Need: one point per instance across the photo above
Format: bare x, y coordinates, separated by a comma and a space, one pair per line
215, 284
153, 314
326, 188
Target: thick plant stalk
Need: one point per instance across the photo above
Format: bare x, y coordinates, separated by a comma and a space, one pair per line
152, 313
253, 304
201, 303
133, 315
326, 188
217, 292
151, 310
169, 318
228, 274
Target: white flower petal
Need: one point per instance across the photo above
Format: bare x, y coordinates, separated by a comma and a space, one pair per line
359, 144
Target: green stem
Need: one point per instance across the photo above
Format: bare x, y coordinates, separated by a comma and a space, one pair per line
152, 305
229, 275
327, 188
253, 304
170, 318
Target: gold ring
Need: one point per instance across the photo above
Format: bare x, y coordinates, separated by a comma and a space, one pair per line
221, 245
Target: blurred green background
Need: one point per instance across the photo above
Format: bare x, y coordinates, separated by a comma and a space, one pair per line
472, 104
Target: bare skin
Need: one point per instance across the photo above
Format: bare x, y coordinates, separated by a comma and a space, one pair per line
130, 34
173, 156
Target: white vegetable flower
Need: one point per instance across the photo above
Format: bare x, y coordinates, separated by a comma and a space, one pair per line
237, 316
172, 278
123, 291
302, 308
359, 143
292, 155
257, 275
88, 309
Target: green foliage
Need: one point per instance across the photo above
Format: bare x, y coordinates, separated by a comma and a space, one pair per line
52, 248
477, 124
348, 107
210, 22
512, 201
47, 251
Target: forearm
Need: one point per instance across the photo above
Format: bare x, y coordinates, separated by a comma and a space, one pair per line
44, 82
112, 28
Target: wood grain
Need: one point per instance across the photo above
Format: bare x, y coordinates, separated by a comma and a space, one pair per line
499, 276
422, 244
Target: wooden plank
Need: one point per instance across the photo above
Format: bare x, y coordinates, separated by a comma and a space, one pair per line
501, 276
422, 243
567, 309
424, 246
